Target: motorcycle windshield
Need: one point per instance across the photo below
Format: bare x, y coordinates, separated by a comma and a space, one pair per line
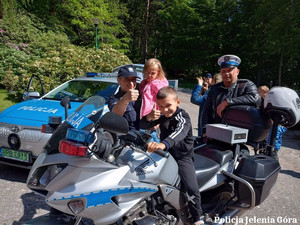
84, 118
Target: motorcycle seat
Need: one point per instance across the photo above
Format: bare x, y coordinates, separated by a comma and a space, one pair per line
205, 169
220, 157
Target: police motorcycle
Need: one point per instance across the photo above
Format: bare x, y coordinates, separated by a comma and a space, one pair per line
86, 182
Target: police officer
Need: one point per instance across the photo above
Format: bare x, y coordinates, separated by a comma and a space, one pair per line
126, 102
231, 91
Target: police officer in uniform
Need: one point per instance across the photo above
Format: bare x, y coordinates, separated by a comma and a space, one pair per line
127, 102
231, 91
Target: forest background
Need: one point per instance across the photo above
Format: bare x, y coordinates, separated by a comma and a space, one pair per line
55, 39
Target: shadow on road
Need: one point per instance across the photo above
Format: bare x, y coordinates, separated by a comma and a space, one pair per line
291, 139
291, 173
14, 174
31, 203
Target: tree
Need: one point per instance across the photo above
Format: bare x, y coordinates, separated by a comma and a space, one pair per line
141, 24
270, 38
283, 38
74, 18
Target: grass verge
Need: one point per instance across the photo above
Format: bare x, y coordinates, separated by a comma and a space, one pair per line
5, 100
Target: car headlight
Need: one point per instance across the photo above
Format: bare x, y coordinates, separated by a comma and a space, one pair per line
43, 175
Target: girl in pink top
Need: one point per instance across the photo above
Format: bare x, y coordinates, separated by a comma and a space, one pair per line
154, 80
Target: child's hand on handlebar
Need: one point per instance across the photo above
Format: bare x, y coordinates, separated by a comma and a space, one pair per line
153, 146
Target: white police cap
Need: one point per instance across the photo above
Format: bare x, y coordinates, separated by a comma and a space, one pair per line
229, 61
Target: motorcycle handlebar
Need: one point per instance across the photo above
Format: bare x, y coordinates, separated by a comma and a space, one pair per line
162, 153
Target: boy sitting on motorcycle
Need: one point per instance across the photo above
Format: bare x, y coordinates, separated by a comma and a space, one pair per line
176, 137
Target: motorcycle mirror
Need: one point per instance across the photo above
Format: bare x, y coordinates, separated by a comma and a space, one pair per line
65, 102
114, 123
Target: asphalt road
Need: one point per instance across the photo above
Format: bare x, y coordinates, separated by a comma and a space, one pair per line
18, 203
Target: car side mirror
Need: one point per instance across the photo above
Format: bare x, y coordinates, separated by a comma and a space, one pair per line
30, 95
65, 102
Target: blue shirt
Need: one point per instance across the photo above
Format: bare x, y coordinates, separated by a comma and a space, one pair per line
278, 140
200, 100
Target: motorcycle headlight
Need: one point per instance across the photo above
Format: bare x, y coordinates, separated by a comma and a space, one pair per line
43, 175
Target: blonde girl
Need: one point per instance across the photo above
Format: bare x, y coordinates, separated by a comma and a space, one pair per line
154, 80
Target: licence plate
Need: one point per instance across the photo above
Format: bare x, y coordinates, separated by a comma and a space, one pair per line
16, 155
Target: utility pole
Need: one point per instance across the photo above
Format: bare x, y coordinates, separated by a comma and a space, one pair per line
146, 33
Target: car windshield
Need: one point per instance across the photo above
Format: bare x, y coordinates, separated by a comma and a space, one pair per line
80, 90
139, 69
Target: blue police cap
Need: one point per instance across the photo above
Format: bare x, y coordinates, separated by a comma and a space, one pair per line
229, 61
207, 75
127, 71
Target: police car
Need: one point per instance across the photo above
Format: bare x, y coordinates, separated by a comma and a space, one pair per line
21, 139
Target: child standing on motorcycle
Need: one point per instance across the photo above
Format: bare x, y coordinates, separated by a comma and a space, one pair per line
176, 137
154, 80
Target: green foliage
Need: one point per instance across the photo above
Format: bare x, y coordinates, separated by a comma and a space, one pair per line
189, 36
70, 62
13, 63
27, 50
185, 25
74, 18
5, 9
63, 64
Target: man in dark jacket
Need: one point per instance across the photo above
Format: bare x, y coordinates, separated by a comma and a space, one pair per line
176, 136
232, 91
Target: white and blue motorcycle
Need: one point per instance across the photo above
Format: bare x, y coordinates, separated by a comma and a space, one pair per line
85, 182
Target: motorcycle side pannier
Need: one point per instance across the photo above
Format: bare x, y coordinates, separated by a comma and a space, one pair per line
251, 118
261, 172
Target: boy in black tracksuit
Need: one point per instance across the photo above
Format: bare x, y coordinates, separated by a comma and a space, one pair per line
176, 137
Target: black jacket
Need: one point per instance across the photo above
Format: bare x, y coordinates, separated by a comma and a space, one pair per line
175, 132
242, 92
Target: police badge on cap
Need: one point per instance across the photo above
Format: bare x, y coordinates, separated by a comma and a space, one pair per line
127, 71
229, 61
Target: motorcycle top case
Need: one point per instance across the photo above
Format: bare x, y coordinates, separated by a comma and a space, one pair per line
261, 172
251, 118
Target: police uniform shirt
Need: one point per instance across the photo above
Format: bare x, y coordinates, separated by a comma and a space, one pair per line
132, 110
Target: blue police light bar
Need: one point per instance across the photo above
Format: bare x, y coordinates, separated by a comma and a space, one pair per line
92, 74
81, 136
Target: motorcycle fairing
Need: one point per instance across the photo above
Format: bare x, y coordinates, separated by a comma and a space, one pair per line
103, 197
144, 170
111, 193
78, 120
